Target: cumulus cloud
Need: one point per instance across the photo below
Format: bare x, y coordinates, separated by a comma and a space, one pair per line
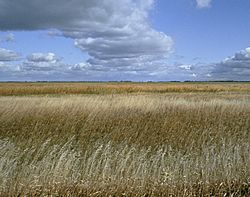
43, 57
203, 3
8, 55
36, 66
243, 55
116, 35
113, 33
158, 70
86, 67
236, 67
42, 62
8, 70
6, 66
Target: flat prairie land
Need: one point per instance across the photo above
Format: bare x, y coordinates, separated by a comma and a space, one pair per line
125, 139
7, 89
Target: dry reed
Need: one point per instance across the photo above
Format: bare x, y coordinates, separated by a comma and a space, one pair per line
190, 144
7, 89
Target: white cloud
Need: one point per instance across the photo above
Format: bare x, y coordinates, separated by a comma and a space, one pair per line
80, 66
236, 67
203, 3
243, 55
116, 35
43, 57
186, 66
113, 33
8, 55
86, 67
7, 68
42, 62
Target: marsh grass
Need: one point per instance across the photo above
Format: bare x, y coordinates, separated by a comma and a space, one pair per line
8, 89
125, 145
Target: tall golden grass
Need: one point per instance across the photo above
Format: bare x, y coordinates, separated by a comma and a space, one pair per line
189, 144
7, 89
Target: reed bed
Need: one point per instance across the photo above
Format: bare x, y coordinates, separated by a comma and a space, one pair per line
189, 144
7, 89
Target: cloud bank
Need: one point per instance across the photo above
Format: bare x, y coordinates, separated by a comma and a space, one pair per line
44, 63
117, 36
113, 33
236, 67
48, 66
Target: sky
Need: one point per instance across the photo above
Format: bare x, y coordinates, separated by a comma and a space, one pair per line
135, 40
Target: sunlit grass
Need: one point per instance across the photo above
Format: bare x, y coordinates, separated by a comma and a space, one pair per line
117, 88
189, 144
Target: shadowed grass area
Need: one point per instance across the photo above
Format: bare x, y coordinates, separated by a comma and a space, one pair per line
7, 89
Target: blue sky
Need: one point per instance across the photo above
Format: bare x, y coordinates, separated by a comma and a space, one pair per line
137, 40
211, 33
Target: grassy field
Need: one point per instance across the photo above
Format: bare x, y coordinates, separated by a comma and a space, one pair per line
8, 89
94, 139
